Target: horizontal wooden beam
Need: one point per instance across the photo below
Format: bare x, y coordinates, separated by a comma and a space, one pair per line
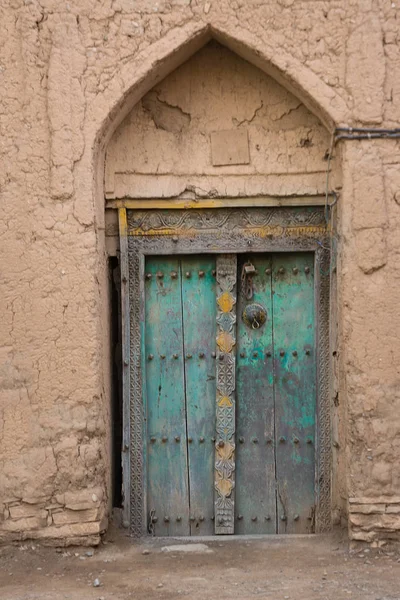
186, 203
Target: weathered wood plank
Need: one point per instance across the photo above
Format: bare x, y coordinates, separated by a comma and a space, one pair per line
295, 389
255, 500
199, 312
125, 344
202, 203
167, 473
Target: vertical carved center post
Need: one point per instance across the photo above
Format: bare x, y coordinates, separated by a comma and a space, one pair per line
225, 406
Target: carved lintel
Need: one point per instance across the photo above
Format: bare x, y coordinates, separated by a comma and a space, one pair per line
225, 407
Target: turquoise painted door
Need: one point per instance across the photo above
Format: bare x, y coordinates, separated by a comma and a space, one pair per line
179, 362
255, 429
276, 395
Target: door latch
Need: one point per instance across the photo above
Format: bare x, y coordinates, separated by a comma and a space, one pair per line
248, 271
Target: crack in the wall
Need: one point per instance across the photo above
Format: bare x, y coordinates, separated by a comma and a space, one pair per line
286, 113
165, 116
251, 119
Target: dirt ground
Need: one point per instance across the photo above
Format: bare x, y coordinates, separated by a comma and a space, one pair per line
280, 568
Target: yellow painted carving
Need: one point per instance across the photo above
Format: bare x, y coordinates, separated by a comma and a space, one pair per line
224, 486
225, 341
259, 232
123, 222
225, 452
224, 401
226, 302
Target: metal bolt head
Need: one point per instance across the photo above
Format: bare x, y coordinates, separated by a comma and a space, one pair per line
154, 519
201, 440
213, 272
268, 440
267, 518
148, 276
177, 438
268, 271
255, 354
213, 439
190, 440
308, 352
213, 354
175, 239
174, 274
296, 518
242, 354
309, 441
201, 273
162, 356
221, 357
255, 441
281, 271
268, 354
201, 354
164, 439
188, 356
241, 440
296, 440
159, 275
283, 518
254, 518
179, 519
175, 356
153, 440
221, 443
150, 356
166, 519
239, 517
282, 439
306, 270
187, 275
282, 353
295, 270
294, 352
201, 518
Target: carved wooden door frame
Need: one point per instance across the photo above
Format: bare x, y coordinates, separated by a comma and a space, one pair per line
222, 231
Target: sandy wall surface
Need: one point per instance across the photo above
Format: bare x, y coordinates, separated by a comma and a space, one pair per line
71, 74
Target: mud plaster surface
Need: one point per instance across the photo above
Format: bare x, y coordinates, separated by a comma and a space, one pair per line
70, 73
163, 148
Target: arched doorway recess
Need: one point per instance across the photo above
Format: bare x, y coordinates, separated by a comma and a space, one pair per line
261, 150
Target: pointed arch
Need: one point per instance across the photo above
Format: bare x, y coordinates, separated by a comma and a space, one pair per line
144, 70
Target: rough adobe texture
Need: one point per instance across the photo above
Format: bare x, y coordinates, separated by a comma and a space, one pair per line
70, 73
173, 133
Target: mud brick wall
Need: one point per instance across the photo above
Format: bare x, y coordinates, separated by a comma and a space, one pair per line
71, 73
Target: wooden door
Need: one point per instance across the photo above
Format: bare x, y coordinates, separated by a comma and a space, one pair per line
179, 361
276, 395
273, 455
